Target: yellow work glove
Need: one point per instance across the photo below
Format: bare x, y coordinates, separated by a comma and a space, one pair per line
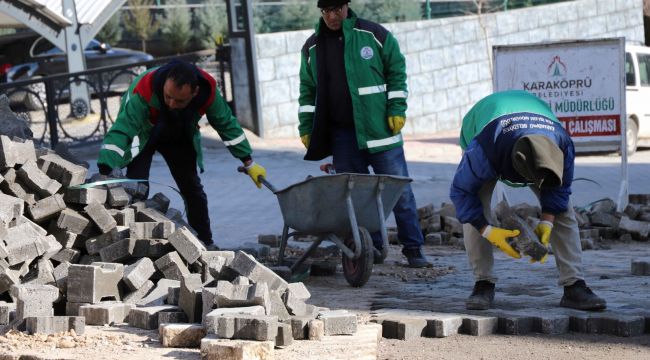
305, 140
543, 231
498, 236
396, 123
255, 170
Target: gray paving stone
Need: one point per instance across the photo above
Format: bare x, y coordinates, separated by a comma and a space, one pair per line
479, 325
72, 221
151, 230
515, 325
247, 327
300, 327
55, 324
106, 313
64, 171
342, 322
442, 325
61, 276
172, 317
46, 208
14, 153
229, 295
117, 197
246, 265
147, 317
11, 208
136, 274
150, 215
295, 297
6, 310
173, 294
136, 296
213, 348
551, 324
95, 282
34, 300
210, 319
277, 306
85, 196
36, 180
67, 256
404, 328
12, 186
187, 245
72, 308
123, 217
190, 298
172, 266
100, 216
158, 295
316, 330
285, 336
159, 201
119, 251
181, 335
22, 243
95, 244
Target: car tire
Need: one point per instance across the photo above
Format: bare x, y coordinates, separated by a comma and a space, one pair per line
632, 137
31, 100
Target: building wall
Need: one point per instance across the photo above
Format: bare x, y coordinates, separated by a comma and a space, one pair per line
448, 61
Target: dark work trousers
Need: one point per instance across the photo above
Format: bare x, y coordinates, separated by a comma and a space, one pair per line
180, 156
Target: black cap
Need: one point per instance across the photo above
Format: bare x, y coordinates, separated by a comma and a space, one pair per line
329, 3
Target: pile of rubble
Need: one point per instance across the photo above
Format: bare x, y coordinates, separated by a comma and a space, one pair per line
598, 221
72, 256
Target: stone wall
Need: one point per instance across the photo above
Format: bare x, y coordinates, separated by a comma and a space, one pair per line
448, 60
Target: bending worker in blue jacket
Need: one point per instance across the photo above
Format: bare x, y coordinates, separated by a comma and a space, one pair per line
514, 137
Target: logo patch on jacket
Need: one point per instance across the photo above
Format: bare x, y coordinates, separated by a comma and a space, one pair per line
367, 53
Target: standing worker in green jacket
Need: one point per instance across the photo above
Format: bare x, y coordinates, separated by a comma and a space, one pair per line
353, 104
160, 112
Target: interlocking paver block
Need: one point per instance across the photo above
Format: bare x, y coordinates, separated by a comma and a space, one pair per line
480, 325
295, 298
220, 349
187, 245
147, 317
551, 324
8, 278
172, 317
119, 251
172, 266
34, 300
136, 274
62, 170
159, 202
74, 222
14, 153
6, 310
173, 294
10, 208
515, 325
210, 319
94, 282
124, 217
444, 325
401, 328
151, 230
47, 208
117, 197
85, 196
181, 335
190, 298
12, 186
316, 330
247, 327
158, 295
246, 265
36, 180
95, 244
55, 324
106, 313
300, 327
100, 216
150, 215
229, 295
139, 294
23, 242
285, 335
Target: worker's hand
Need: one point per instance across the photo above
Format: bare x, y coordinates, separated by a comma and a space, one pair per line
498, 236
396, 123
255, 170
305, 140
543, 231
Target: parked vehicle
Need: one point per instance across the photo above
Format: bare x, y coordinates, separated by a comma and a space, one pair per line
43, 59
637, 78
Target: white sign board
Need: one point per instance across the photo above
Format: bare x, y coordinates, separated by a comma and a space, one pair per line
583, 82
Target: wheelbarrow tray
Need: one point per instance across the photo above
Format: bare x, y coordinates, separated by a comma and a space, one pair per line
318, 204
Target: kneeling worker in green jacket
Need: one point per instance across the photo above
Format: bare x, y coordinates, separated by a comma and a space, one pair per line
160, 112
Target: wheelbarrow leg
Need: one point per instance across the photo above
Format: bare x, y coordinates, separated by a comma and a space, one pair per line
353, 219
283, 244
382, 219
307, 253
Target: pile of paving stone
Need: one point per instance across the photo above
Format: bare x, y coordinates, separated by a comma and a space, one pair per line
598, 221
72, 256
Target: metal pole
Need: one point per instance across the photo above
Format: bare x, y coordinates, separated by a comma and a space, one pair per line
505, 5
428, 9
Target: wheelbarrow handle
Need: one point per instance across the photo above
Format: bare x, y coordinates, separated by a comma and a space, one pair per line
261, 178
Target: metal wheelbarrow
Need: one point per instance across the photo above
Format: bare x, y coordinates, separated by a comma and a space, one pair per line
344, 209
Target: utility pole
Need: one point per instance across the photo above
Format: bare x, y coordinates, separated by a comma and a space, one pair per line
428, 9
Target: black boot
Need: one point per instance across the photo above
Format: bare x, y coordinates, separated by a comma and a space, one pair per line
482, 296
416, 258
579, 296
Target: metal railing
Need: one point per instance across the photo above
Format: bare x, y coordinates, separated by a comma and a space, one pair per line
44, 102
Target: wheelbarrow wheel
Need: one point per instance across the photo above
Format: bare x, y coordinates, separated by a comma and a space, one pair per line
357, 272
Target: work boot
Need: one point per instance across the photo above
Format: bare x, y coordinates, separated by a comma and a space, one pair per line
415, 258
482, 296
579, 296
